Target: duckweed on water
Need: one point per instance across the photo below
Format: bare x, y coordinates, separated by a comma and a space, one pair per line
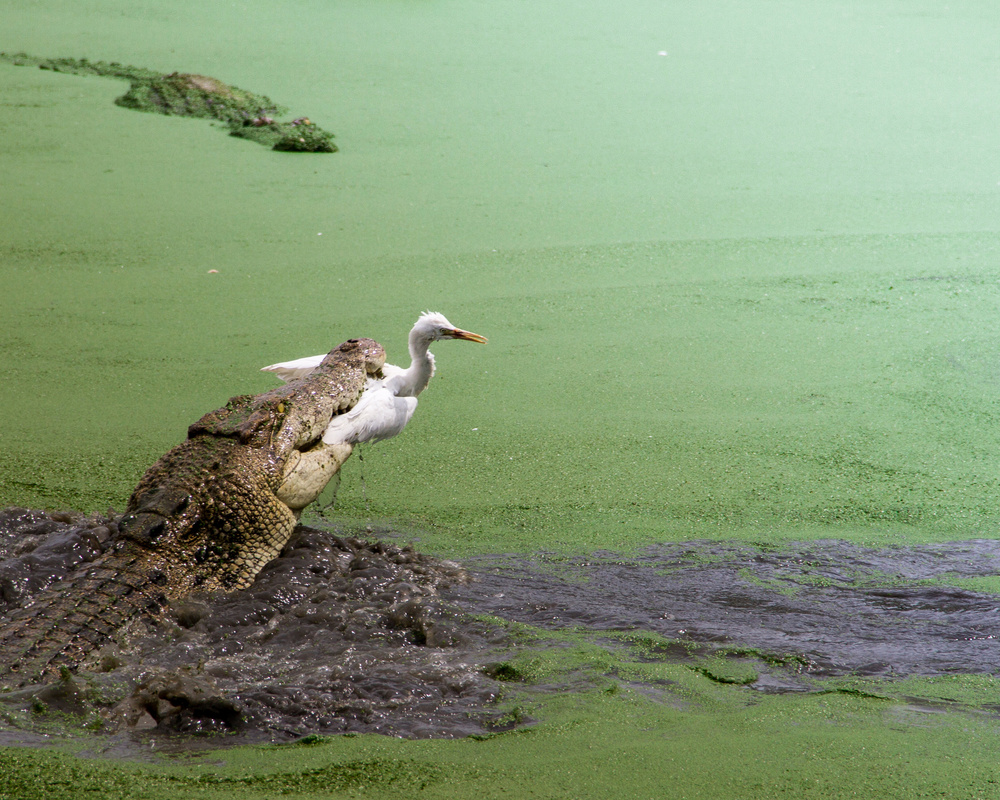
786, 315
245, 114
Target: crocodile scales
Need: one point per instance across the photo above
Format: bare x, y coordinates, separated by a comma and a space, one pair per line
207, 516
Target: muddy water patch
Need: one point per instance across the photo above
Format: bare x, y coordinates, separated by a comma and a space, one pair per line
338, 635
347, 635
826, 608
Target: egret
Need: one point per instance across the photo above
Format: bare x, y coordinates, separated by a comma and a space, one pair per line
387, 403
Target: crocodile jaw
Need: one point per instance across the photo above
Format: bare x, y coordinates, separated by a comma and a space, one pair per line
307, 474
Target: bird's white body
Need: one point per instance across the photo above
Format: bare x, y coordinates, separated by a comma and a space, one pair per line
379, 414
387, 404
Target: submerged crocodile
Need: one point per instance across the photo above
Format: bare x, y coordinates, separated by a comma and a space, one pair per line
207, 516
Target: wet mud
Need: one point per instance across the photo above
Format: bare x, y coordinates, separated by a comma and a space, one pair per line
342, 634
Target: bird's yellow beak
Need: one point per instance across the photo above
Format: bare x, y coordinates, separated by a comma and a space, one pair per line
458, 333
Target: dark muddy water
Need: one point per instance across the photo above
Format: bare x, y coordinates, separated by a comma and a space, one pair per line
337, 635
347, 635
839, 608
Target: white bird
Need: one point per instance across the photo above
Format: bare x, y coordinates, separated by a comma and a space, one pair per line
387, 403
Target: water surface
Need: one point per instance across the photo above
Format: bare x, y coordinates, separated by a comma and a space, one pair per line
738, 267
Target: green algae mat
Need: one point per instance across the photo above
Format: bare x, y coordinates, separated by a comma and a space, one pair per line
738, 265
594, 746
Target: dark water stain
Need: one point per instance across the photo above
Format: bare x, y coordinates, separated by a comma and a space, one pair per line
344, 635
833, 607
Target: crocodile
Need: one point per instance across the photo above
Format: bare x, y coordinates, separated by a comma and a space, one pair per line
207, 516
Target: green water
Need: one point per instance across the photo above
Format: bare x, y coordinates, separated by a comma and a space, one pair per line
737, 263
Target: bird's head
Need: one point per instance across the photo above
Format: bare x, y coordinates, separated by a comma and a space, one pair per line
433, 326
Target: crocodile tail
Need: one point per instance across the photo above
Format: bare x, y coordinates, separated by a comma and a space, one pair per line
69, 622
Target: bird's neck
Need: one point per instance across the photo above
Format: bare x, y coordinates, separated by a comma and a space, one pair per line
421, 368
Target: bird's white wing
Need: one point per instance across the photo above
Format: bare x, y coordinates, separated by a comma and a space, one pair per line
300, 367
378, 415
290, 370
392, 371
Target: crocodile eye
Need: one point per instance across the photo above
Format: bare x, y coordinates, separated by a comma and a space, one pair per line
190, 534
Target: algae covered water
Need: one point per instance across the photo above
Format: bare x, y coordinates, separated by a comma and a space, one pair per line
738, 267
